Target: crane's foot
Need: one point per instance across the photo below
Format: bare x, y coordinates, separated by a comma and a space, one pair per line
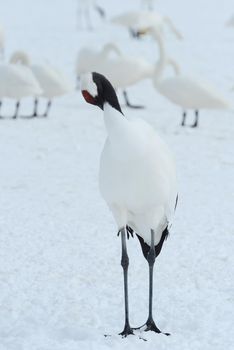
150, 326
127, 331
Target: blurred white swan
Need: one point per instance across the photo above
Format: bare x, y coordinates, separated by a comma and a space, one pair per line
122, 70
52, 81
185, 91
17, 82
133, 20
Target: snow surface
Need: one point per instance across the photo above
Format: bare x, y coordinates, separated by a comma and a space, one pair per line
60, 275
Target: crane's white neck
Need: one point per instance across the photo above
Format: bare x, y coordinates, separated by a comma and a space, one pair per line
114, 121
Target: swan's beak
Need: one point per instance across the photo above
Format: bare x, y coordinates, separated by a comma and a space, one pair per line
142, 31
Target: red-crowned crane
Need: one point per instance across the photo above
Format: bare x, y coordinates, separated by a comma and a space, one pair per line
137, 180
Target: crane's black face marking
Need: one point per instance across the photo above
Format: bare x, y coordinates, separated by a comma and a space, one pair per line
105, 93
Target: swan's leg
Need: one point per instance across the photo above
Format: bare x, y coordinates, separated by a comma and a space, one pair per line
35, 108
196, 119
47, 108
16, 110
184, 115
128, 104
124, 263
0, 108
34, 114
100, 11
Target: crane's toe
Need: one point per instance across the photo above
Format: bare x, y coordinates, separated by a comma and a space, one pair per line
151, 326
127, 331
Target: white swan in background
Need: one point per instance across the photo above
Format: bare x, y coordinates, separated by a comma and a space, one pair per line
122, 70
2, 43
185, 91
16, 83
133, 20
137, 179
230, 22
53, 82
83, 12
87, 57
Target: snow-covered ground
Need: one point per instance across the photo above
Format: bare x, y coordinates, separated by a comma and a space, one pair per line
60, 275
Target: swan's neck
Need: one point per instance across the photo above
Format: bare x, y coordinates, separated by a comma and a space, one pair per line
174, 65
162, 61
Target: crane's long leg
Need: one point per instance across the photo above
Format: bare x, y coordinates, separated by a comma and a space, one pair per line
16, 110
196, 119
150, 324
184, 115
125, 263
128, 104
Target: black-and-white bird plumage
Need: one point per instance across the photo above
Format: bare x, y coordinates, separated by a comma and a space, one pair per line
137, 171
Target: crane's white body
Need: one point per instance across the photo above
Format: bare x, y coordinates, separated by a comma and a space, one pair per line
144, 19
17, 82
185, 91
121, 70
137, 175
53, 82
